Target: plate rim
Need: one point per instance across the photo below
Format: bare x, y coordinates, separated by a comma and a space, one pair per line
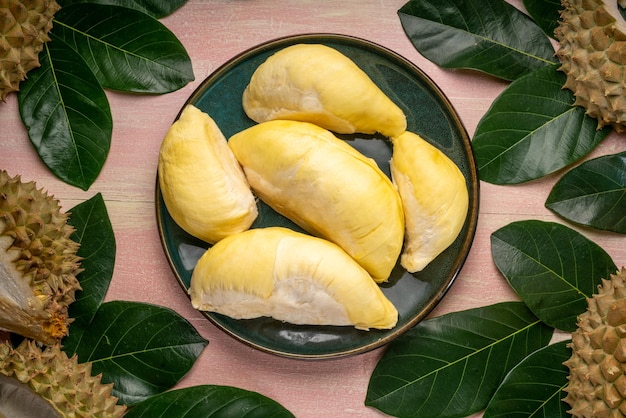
471, 218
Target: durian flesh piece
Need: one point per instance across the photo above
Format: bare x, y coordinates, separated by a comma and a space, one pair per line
318, 84
203, 186
24, 28
325, 186
66, 385
597, 379
38, 262
434, 197
289, 276
592, 52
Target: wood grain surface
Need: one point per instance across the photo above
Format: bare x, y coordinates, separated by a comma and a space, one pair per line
213, 31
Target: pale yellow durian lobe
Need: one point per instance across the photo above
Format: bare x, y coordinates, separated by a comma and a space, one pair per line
434, 195
202, 184
326, 187
289, 276
318, 84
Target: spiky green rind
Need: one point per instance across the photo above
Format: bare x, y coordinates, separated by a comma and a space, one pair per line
597, 378
38, 262
24, 27
66, 384
592, 52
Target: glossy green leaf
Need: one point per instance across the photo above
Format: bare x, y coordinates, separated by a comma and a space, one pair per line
493, 37
451, 365
545, 13
67, 115
593, 194
155, 8
126, 49
534, 388
142, 349
206, 401
532, 129
551, 267
94, 233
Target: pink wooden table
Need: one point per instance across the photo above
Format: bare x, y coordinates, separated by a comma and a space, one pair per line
213, 31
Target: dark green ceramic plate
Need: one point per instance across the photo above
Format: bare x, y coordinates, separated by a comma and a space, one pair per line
429, 114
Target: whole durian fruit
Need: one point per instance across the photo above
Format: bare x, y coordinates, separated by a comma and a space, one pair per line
66, 385
592, 52
38, 262
24, 27
597, 378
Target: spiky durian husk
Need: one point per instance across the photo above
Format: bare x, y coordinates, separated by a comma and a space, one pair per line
597, 378
592, 52
38, 262
24, 28
66, 384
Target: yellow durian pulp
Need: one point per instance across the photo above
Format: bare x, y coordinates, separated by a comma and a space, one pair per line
203, 186
289, 276
316, 83
434, 197
325, 186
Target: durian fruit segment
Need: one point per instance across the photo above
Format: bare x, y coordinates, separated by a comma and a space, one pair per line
325, 186
203, 186
24, 28
592, 52
318, 84
38, 262
434, 195
597, 379
289, 276
65, 384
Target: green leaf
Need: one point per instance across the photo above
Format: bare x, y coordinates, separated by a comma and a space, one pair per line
493, 37
534, 388
67, 115
126, 49
545, 13
142, 349
532, 129
94, 233
208, 401
451, 365
552, 268
155, 8
593, 194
